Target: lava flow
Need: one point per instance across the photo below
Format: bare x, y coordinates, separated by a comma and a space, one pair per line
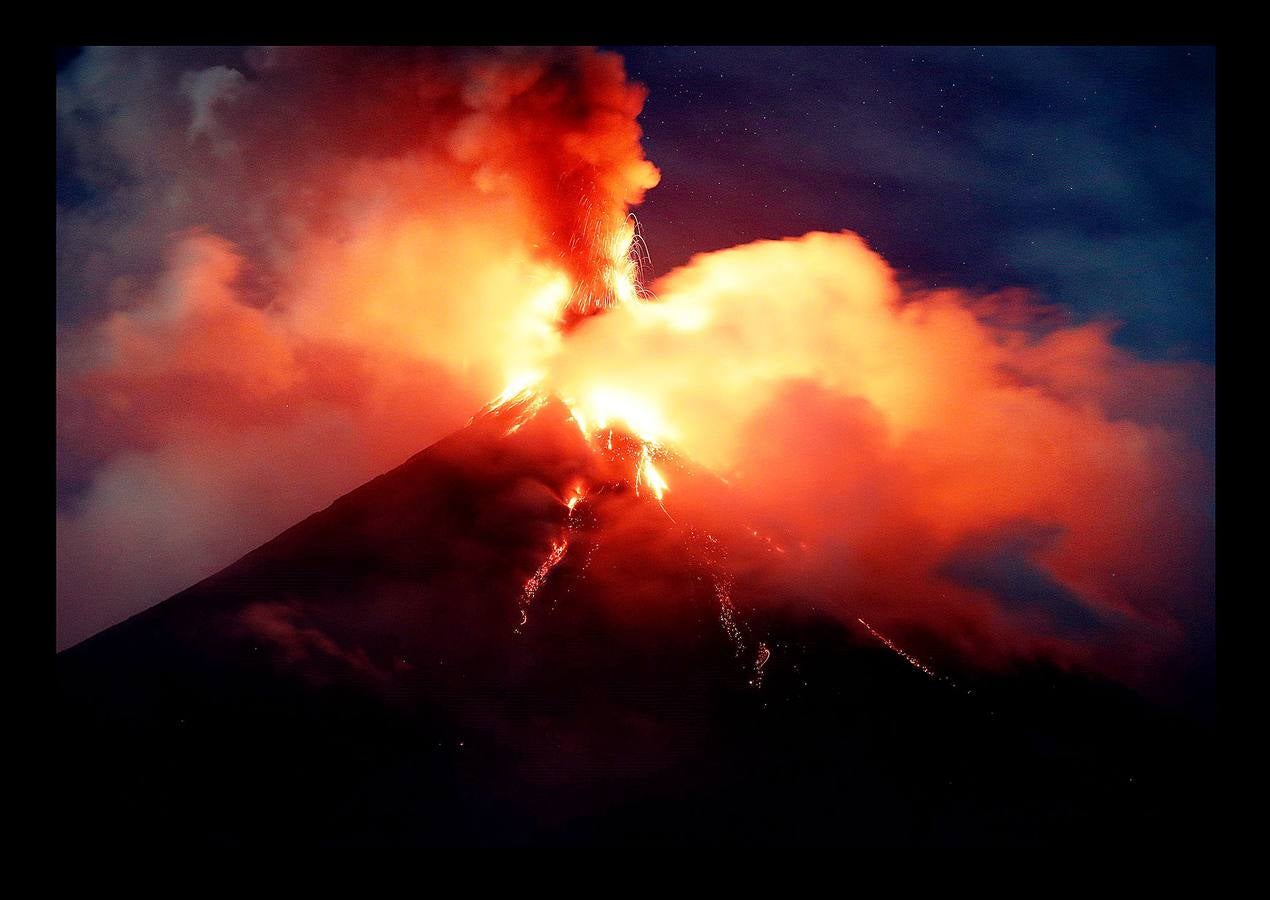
626, 434
625, 461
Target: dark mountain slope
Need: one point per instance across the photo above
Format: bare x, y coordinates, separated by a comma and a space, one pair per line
376, 674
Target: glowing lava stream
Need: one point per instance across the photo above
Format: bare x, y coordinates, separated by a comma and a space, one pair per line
536, 580
908, 657
648, 482
558, 549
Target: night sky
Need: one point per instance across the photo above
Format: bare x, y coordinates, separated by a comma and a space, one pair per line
1083, 174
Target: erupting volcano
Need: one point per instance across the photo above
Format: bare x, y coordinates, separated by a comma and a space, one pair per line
549, 627
774, 549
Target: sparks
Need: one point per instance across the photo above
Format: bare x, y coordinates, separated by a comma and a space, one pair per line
646, 473
622, 257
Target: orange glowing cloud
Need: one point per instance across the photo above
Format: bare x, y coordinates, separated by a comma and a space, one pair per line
947, 473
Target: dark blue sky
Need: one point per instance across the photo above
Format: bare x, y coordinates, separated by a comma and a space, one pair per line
1084, 174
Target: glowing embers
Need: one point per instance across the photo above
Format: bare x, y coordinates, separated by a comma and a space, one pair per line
770, 543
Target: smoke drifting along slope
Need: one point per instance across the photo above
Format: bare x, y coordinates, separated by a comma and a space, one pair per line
364, 247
